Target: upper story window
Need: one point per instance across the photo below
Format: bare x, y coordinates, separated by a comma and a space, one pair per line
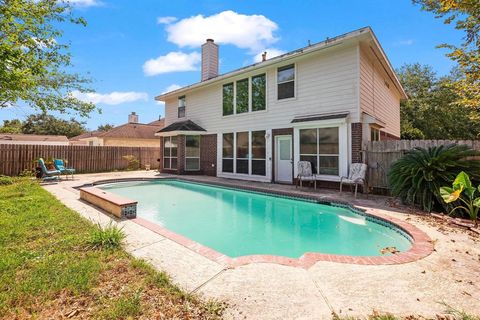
181, 106
244, 95
258, 92
228, 99
286, 82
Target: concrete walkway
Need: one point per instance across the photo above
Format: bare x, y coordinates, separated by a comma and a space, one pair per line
269, 291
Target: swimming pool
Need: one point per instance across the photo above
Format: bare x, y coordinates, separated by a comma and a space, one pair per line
239, 223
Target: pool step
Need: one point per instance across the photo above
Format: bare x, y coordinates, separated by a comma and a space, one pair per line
118, 206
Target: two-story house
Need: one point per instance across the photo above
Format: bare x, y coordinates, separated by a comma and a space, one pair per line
318, 103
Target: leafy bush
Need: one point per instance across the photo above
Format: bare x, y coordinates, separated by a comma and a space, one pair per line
416, 178
5, 180
132, 162
463, 191
109, 237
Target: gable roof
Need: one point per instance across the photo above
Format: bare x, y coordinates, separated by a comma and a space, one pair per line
187, 125
366, 32
32, 137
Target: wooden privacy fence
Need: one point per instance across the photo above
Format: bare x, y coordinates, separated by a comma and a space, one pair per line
380, 155
15, 158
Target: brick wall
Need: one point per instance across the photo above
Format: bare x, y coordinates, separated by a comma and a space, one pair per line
279, 132
387, 136
208, 154
356, 142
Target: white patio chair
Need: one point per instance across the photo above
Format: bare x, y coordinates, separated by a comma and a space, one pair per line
305, 173
356, 176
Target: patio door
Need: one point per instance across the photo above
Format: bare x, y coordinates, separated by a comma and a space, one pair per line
283, 159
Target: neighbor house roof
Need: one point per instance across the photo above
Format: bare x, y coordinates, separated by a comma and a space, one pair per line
131, 131
127, 131
32, 137
365, 32
86, 135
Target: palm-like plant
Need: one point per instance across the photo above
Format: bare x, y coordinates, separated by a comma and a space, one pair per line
416, 178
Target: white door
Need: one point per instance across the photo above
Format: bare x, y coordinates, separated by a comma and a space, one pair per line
283, 159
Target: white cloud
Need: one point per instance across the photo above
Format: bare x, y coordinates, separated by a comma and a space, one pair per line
271, 53
407, 42
112, 98
228, 27
172, 62
166, 20
171, 87
84, 3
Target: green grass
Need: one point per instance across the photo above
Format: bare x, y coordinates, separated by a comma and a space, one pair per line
109, 237
52, 260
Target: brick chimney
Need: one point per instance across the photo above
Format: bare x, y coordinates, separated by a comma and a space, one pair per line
133, 118
209, 60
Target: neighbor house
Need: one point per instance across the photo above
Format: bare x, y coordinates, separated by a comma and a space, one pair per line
38, 139
318, 103
131, 134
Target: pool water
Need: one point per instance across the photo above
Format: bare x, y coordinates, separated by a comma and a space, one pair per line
238, 223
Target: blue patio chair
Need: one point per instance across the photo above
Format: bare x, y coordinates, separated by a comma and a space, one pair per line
48, 175
59, 165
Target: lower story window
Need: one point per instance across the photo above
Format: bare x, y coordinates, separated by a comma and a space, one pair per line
374, 134
170, 153
320, 147
192, 153
244, 152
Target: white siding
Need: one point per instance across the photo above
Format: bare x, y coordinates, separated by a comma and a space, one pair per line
325, 82
376, 98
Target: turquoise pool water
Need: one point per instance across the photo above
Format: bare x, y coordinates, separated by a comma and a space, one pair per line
238, 223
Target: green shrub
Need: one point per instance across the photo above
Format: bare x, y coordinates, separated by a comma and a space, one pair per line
132, 162
416, 178
109, 237
5, 180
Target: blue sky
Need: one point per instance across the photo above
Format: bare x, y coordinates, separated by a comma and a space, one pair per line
135, 50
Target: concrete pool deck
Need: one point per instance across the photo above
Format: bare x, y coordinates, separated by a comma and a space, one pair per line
271, 291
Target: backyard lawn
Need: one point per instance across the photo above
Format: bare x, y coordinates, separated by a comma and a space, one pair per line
55, 264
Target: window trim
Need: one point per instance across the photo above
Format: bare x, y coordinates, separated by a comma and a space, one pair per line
250, 100
295, 80
169, 157
374, 129
199, 153
318, 155
249, 156
183, 108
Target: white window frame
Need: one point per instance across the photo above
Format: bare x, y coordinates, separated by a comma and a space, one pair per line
199, 153
318, 155
343, 145
295, 79
250, 98
169, 157
374, 129
182, 105
249, 155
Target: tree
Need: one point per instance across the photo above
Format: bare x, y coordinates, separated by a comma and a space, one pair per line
11, 126
105, 127
466, 15
433, 110
47, 124
33, 61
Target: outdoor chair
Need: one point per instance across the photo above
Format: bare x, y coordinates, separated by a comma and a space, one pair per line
305, 173
48, 175
356, 176
60, 166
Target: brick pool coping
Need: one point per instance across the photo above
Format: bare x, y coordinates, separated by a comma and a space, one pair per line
422, 245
